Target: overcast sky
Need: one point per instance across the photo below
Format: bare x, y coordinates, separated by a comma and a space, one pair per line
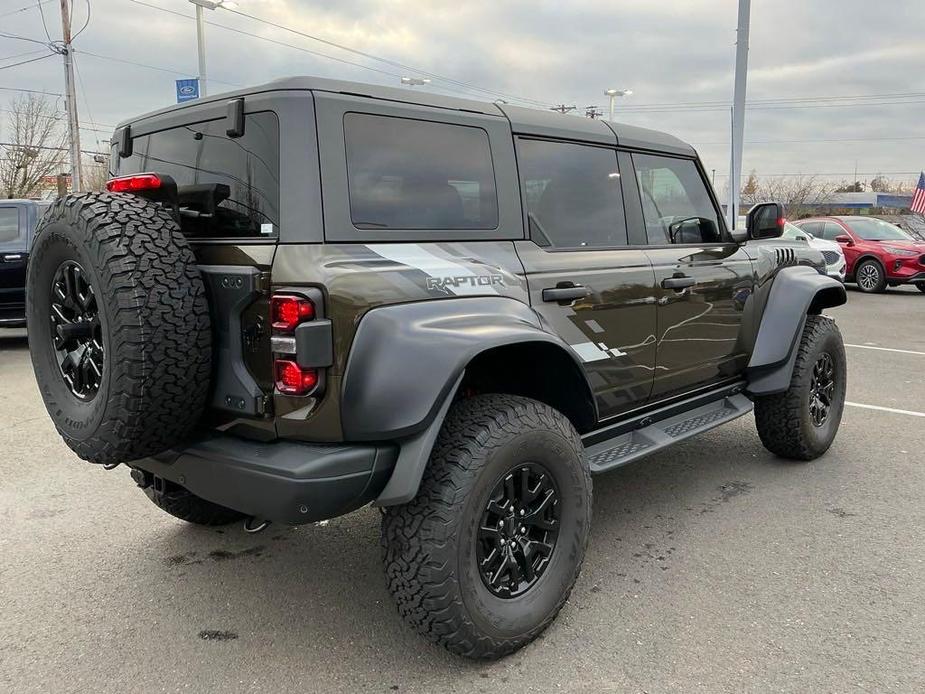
666, 51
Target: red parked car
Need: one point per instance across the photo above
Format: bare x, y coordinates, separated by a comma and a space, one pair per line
878, 253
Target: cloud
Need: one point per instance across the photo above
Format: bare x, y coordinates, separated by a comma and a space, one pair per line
668, 52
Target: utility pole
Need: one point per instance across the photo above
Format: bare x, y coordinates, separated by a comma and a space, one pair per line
593, 112
73, 126
738, 110
562, 108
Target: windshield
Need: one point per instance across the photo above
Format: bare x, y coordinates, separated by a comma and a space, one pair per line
877, 230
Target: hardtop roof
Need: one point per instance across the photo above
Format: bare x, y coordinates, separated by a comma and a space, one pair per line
526, 121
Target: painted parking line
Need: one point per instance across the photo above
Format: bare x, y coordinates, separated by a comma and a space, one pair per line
887, 349
885, 409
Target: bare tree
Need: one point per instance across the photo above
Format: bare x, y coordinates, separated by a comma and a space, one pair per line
801, 195
882, 184
95, 175
33, 146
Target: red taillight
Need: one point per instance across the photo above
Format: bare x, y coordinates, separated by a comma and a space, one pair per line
133, 183
292, 379
289, 311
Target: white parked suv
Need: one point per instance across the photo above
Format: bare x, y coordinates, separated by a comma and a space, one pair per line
835, 265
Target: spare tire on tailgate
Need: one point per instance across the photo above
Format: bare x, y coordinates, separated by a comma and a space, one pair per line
119, 327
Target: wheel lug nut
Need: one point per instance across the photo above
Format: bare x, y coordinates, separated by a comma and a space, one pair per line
521, 512
503, 541
523, 528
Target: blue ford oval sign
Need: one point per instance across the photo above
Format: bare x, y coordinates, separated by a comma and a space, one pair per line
187, 90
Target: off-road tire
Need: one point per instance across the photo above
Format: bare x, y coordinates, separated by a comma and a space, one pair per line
864, 266
154, 324
186, 506
784, 422
429, 544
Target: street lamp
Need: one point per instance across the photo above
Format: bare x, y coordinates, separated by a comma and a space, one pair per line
201, 34
612, 93
415, 81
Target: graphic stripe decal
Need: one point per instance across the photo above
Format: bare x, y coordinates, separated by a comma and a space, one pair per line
413, 255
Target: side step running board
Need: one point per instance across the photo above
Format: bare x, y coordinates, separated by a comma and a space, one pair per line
636, 444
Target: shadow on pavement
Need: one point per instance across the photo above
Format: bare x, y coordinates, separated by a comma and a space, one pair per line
301, 585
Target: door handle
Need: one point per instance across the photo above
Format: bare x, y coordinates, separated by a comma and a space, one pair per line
575, 291
678, 283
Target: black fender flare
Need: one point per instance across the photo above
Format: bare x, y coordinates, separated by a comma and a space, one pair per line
406, 364
795, 293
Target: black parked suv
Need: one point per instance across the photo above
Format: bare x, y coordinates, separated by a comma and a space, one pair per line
309, 296
18, 219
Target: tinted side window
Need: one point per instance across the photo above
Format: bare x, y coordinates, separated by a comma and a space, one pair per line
675, 201
413, 174
572, 193
814, 228
232, 183
831, 230
9, 224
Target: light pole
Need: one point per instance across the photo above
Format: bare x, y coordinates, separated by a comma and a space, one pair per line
738, 112
415, 81
201, 35
613, 94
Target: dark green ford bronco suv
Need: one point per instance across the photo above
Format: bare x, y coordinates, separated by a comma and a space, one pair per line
309, 296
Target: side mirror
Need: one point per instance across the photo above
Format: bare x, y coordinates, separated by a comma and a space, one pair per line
765, 221
845, 239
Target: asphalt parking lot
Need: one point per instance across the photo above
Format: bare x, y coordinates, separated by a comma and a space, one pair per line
713, 567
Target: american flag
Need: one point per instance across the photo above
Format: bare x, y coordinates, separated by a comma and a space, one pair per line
918, 197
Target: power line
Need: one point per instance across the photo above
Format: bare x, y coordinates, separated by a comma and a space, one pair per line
86, 23
20, 55
269, 40
44, 24
30, 91
16, 37
813, 141
26, 8
387, 61
26, 62
845, 173
396, 75
779, 100
46, 147
172, 71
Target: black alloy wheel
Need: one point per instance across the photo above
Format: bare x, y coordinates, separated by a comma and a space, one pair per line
76, 331
518, 531
821, 389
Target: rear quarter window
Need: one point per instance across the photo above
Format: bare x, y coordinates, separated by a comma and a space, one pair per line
412, 174
229, 187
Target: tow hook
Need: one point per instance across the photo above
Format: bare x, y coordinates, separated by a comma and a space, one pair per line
255, 525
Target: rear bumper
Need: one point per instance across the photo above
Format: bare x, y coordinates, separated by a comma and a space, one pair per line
283, 481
